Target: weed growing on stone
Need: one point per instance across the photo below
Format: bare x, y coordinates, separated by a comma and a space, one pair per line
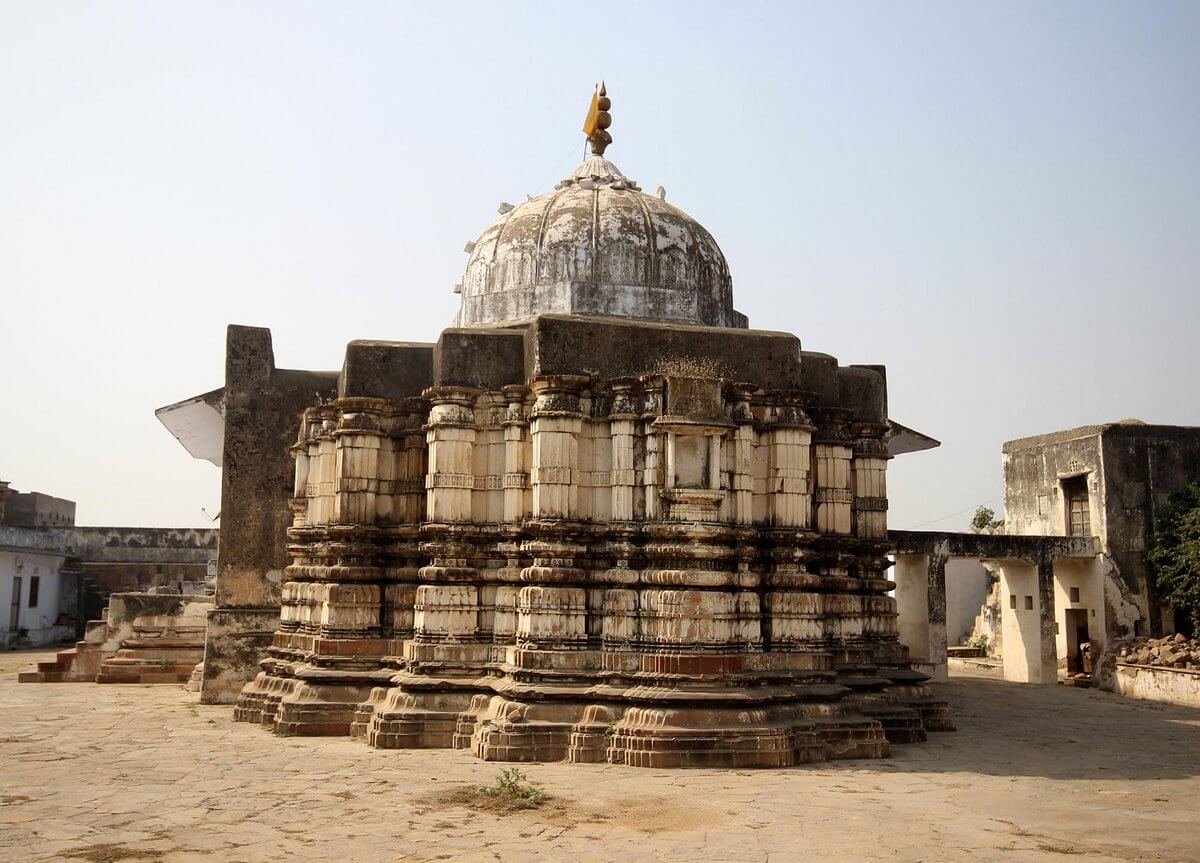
511, 792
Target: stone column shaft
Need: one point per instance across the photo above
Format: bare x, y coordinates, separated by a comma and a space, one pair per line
451, 436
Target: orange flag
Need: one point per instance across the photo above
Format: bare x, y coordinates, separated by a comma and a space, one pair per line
592, 124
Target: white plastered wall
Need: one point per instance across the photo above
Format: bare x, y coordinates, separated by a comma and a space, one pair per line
1021, 626
39, 620
966, 591
1087, 577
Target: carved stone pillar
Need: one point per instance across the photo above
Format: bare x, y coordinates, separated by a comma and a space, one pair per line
870, 481
309, 427
322, 468
741, 447
622, 422
832, 454
357, 440
409, 466
787, 437
516, 468
653, 468
554, 429
450, 437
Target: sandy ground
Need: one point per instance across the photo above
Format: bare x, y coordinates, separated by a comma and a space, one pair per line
109, 773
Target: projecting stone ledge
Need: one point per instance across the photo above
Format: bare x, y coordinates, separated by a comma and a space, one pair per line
993, 546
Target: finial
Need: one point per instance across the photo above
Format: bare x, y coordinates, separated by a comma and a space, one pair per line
598, 120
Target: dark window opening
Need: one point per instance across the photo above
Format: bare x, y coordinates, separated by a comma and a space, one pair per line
1079, 510
1074, 594
34, 584
1012, 600
14, 610
1029, 603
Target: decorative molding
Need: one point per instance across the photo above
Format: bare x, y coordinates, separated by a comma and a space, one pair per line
834, 495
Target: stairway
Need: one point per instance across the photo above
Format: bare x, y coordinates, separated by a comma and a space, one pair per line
161, 650
78, 664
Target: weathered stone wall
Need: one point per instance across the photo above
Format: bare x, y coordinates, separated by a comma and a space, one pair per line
1143, 466
107, 578
147, 545
1170, 685
263, 406
35, 509
1033, 469
137, 559
611, 348
967, 585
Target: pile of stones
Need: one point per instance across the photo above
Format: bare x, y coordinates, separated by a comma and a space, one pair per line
1173, 651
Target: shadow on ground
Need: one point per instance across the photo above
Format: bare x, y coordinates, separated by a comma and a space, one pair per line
1056, 732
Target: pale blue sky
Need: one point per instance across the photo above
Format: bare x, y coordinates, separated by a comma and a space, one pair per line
1000, 202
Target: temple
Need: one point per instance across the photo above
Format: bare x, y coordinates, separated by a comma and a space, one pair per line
599, 520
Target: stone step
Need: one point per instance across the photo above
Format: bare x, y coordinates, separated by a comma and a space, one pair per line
141, 660
162, 644
142, 676
134, 671
965, 652
39, 677
161, 651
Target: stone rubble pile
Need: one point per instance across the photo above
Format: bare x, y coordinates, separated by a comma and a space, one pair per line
1172, 651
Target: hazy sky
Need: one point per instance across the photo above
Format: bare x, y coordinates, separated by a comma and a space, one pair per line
1001, 202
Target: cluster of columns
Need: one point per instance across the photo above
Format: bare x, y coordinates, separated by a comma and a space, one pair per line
461, 558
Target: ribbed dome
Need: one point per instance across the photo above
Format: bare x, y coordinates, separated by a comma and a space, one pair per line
597, 245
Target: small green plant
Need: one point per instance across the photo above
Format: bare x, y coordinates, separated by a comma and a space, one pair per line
511, 792
1174, 554
979, 642
588, 666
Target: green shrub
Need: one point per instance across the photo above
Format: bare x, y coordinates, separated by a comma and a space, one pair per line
1174, 555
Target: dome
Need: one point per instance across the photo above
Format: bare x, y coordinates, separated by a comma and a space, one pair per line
597, 245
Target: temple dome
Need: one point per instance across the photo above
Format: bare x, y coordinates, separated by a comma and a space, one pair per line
597, 245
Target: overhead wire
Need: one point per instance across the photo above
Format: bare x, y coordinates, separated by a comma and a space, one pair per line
960, 512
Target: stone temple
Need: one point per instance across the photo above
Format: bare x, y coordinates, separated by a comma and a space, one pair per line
600, 519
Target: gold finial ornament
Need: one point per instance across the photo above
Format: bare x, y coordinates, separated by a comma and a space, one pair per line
598, 120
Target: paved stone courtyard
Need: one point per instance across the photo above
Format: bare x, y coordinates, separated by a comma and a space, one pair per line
110, 773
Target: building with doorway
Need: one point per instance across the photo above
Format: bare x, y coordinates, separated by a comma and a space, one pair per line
1068, 569
37, 599
1107, 481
